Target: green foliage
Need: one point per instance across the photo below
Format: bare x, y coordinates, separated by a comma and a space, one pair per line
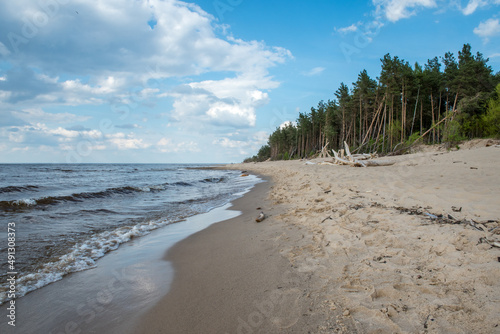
264, 153
412, 138
395, 129
453, 133
492, 117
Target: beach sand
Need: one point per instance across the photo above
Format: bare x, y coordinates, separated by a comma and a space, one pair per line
230, 278
348, 250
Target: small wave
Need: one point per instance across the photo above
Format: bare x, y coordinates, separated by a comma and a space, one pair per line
213, 180
182, 184
13, 189
100, 211
17, 204
77, 197
81, 256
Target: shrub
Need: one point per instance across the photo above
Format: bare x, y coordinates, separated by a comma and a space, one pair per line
492, 117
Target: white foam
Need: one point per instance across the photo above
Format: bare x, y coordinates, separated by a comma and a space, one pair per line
25, 201
81, 257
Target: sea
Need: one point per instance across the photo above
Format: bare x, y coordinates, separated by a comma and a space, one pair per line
68, 216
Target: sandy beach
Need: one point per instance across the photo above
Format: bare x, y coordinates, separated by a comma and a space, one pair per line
349, 250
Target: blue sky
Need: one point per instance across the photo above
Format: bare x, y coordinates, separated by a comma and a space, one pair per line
200, 81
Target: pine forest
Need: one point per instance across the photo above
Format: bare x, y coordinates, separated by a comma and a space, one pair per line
446, 100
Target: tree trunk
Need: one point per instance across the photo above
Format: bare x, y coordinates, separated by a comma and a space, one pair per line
421, 116
432, 113
403, 113
383, 138
390, 121
439, 117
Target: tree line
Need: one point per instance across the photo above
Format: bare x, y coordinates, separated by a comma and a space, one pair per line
446, 100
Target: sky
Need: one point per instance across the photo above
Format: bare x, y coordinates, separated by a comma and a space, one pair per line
168, 81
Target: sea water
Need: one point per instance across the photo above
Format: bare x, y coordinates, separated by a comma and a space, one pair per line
67, 216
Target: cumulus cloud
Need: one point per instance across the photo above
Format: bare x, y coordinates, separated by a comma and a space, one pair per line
127, 141
112, 44
487, 29
395, 10
112, 36
117, 55
227, 102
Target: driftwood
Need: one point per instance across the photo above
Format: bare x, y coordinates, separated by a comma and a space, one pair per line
324, 151
363, 156
378, 163
359, 160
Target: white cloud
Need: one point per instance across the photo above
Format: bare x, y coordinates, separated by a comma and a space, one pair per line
4, 96
74, 92
166, 145
184, 42
229, 143
244, 144
231, 114
287, 123
487, 29
16, 137
133, 60
395, 10
33, 115
473, 5
65, 133
3, 50
260, 138
228, 102
107, 54
352, 28
314, 71
126, 142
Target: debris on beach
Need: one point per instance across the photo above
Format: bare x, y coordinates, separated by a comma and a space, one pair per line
344, 157
358, 160
261, 217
